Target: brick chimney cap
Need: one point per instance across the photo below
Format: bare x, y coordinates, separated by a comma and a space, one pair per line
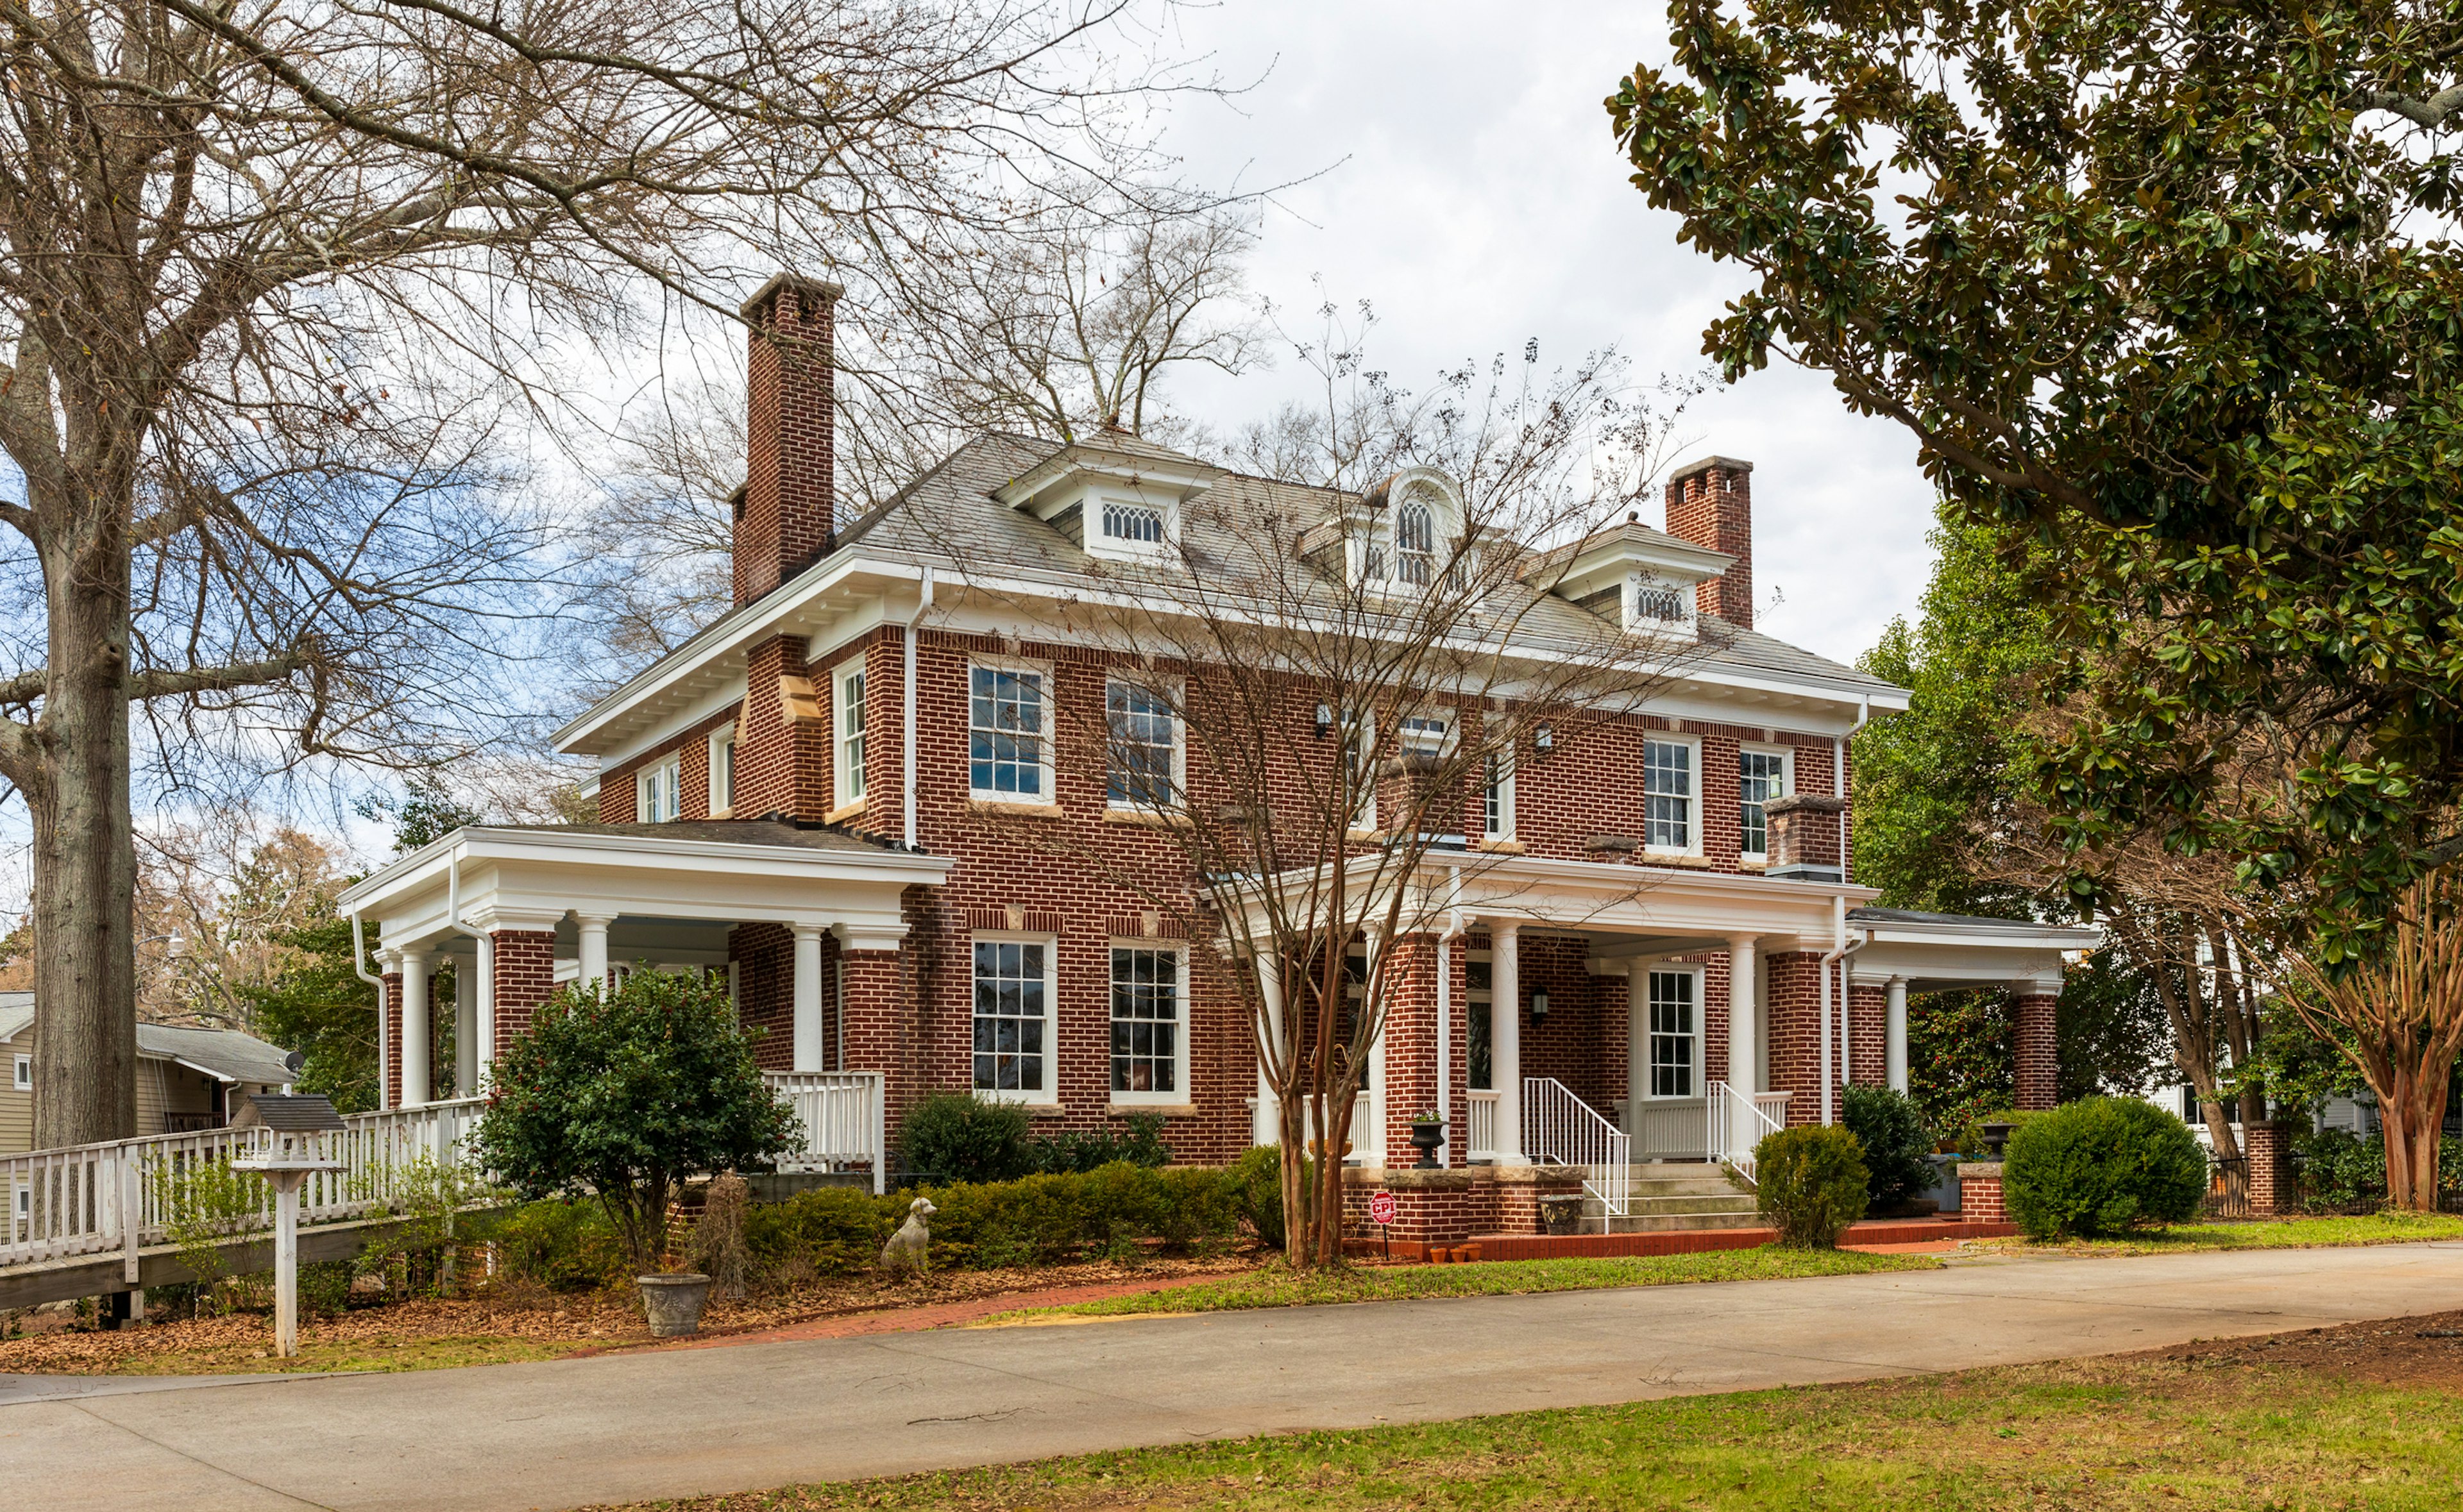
1805, 802
1710, 465
817, 291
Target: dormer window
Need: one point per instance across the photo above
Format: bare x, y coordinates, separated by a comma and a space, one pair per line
1415, 544
1116, 499
1655, 604
1396, 536
1130, 524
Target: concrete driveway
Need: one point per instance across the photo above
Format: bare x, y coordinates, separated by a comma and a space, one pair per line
624, 1427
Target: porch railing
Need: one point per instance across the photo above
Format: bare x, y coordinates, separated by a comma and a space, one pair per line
1480, 1138
843, 1114
1738, 1123
1560, 1129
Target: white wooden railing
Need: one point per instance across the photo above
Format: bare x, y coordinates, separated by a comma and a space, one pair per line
842, 1113
1481, 1138
1368, 1133
1737, 1124
1560, 1129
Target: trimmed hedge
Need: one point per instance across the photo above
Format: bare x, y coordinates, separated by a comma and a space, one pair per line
2102, 1166
957, 1136
1810, 1184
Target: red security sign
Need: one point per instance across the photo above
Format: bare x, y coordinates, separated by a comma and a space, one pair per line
1380, 1207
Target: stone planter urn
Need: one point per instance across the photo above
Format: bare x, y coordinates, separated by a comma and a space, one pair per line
1996, 1135
1561, 1214
674, 1302
1428, 1137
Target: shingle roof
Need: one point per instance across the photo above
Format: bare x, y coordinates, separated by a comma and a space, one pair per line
733, 832
950, 513
228, 1053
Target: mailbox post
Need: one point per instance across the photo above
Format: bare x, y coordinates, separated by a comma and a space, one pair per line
286, 1149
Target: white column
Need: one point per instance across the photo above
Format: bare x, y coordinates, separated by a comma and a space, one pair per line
1505, 1039
483, 987
808, 997
593, 929
465, 1027
415, 1086
1637, 1050
1744, 964
1266, 1127
1895, 1037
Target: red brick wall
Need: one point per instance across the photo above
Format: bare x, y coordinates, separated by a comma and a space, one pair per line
791, 440
1450, 1208
524, 975
764, 957
393, 1039
1869, 1020
2038, 1053
1980, 1200
1712, 505
2272, 1188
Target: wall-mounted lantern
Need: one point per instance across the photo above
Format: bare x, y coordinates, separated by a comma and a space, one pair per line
1539, 1004
1545, 739
1324, 720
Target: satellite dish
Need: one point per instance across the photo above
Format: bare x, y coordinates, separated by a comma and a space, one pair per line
294, 1061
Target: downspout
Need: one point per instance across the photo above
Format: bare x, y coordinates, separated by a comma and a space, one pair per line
1841, 950
359, 964
906, 696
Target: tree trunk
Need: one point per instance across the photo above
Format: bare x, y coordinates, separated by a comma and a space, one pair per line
85, 858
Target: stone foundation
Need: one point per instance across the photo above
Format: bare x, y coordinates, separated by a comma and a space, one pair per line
1445, 1207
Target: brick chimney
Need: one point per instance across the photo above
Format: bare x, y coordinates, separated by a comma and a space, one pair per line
1711, 504
783, 522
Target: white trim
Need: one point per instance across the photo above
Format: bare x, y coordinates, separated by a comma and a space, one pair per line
1178, 1095
658, 796
1692, 846
1504, 786
1016, 666
721, 740
1171, 692
22, 1076
1700, 1033
852, 670
1048, 1096
1786, 755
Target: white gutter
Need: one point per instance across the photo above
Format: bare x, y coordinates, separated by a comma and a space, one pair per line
359, 964
1838, 957
907, 695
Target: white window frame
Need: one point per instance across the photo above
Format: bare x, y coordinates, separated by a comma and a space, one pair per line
850, 675
1496, 797
1786, 785
722, 755
1041, 670
22, 1077
1180, 1095
1170, 695
1364, 756
1049, 1095
1094, 515
664, 776
1697, 1034
1693, 799
1686, 625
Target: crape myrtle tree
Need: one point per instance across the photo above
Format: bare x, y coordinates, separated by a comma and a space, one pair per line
2164, 291
1344, 683
278, 282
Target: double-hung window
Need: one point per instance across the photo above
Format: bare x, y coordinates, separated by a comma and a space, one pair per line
1675, 1033
1014, 1028
1142, 754
658, 792
1497, 795
1667, 787
848, 698
24, 1077
722, 771
1009, 733
1148, 1037
1761, 776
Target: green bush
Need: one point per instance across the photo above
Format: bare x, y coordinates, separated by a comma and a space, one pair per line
958, 1137
1256, 1184
1811, 1185
1033, 1220
2103, 1165
2340, 1171
559, 1244
1892, 1132
1141, 1143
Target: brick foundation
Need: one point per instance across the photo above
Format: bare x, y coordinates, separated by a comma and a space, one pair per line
1979, 1193
1445, 1207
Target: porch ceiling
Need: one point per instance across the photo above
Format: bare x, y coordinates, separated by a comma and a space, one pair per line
657, 880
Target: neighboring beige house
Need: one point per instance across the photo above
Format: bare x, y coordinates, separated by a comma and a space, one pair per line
187, 1079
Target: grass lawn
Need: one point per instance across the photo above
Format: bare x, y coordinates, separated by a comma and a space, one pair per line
2214, 1428
1277, 1288
2295, 1233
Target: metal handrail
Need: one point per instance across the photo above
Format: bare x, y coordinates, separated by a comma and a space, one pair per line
1739, 1122
1560, 1129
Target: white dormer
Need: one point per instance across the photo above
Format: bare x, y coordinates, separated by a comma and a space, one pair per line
1116, 497
1643, 578
1405, 532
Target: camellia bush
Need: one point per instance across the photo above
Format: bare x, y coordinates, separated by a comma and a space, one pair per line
623, 1095
2102, 1166
1810, 1182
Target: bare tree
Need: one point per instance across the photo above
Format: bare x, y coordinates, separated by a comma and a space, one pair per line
1349, 676
278, 278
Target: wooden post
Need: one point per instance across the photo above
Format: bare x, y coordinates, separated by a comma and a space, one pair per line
286, 1262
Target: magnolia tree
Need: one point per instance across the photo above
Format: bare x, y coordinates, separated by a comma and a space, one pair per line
1312, 691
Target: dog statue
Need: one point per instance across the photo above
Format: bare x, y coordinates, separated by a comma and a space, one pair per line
910, 1248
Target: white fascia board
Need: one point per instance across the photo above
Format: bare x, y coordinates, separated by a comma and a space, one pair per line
729, 691
202, 1071
2015, 933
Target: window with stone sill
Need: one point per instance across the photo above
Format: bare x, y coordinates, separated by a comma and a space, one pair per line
848, 682
1761, 776
1142, 754
1150, 1036
1013, 1029
1009, 733
722, 770
658, 792
1497, 798
1668, 791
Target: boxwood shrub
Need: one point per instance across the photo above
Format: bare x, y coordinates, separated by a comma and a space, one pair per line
1887, 1124
1810, 1184
2102, 1166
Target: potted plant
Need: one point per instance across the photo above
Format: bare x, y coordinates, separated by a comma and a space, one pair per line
1427, 1136
623, 1095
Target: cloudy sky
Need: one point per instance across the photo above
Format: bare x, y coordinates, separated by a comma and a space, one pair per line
1475, 196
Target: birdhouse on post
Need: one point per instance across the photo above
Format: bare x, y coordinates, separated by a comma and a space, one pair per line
288, 1144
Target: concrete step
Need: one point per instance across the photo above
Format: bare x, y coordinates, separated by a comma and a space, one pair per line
1675, 1206
1672, 1222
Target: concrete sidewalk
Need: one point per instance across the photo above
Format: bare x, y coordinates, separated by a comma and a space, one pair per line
626, 1427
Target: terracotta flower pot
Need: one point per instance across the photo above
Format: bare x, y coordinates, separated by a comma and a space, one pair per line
674, 1302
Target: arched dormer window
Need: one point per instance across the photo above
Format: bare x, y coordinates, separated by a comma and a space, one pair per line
1407, 532
1415, 543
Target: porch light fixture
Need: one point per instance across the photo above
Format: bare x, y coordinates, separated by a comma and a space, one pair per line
1545, 739
1539, 1004
1324, 720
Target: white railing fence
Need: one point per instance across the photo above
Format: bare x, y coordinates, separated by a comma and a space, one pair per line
1480, 1141
1560, 1129
843, 1114
1738, 1123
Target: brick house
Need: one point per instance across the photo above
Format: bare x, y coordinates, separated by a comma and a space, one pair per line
820, 795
